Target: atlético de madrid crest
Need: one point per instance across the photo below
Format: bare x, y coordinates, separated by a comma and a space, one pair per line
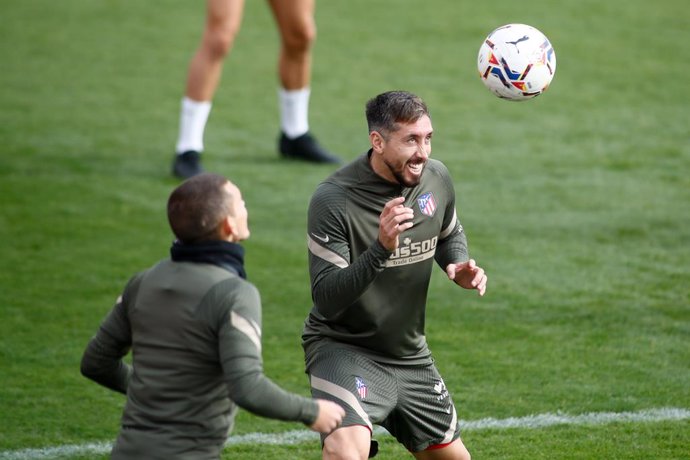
427, 204
361, 387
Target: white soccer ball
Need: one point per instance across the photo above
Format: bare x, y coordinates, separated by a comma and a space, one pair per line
516, 62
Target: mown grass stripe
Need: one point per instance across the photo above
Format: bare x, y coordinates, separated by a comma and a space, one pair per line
298, 436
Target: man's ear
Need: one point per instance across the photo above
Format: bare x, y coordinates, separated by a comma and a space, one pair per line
228, 228
377, 141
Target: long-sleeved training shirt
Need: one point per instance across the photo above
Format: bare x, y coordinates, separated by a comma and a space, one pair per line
195, 334
365, 297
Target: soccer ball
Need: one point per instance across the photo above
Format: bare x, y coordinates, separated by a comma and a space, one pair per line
516, 62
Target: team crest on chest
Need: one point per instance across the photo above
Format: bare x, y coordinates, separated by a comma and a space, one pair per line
427, 204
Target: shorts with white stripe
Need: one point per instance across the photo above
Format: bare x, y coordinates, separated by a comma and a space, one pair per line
411, 402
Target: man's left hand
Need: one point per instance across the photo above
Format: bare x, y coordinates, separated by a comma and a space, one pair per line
468, 275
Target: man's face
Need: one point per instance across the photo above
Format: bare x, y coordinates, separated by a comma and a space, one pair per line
239, 214
404, 152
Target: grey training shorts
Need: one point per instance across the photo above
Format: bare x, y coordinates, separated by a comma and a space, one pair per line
411, 402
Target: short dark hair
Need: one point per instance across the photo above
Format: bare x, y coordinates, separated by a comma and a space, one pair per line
388, 109
197, 207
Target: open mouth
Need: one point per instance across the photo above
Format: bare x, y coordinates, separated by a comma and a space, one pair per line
415, 168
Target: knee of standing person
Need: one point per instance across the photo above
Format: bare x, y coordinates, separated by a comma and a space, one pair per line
219, 40
298, 38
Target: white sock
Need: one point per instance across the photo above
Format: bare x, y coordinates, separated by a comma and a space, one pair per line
294, 111
193, 116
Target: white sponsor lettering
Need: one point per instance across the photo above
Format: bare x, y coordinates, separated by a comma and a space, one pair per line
412, 252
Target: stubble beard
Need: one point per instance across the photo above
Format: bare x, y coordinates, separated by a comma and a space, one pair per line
399, 175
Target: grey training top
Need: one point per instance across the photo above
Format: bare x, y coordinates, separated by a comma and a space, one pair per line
365, 297
195, 334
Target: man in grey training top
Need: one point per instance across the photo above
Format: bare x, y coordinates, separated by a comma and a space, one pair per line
193, 323
375, 228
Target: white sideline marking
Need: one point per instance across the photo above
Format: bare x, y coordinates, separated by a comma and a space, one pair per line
299, 436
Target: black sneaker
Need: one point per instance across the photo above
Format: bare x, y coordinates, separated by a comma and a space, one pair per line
305, 148
187, 164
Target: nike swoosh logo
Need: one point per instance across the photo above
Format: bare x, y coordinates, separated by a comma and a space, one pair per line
324, 239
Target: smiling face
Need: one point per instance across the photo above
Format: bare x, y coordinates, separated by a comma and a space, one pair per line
400, 155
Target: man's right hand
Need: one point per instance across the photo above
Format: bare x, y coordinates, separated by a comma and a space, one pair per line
395, 219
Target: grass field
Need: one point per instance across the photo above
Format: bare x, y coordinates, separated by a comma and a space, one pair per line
576, 203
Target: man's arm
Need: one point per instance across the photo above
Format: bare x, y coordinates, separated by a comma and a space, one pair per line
451, 255
336, 281
452, 244
102, 359
239, 349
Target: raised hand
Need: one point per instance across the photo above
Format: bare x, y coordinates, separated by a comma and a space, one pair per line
468, 275
394, 219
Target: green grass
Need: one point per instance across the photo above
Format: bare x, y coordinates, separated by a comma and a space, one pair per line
576, 203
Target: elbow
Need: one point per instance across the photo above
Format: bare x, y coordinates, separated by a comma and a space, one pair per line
86, 369
333, 305
89, 367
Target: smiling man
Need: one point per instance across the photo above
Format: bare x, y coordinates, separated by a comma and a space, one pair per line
375, 228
